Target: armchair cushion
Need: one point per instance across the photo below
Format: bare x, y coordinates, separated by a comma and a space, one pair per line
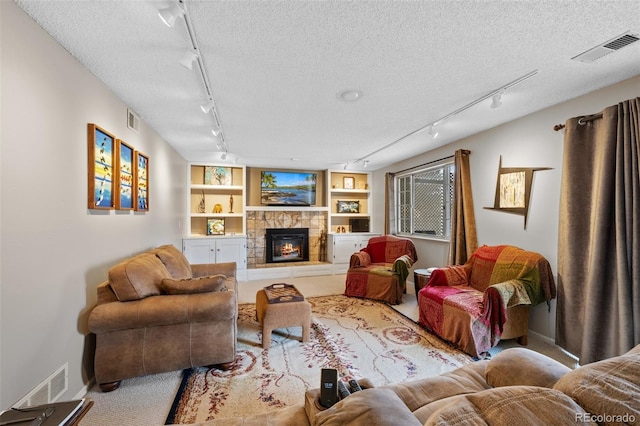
138, 277
175, 262
194, 285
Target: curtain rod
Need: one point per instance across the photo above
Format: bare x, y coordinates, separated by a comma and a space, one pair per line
581, 121
464, 151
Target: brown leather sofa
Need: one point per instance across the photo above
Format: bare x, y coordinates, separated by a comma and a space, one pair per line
158, 313
517, 387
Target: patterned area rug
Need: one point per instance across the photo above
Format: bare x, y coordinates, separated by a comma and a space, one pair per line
360, 338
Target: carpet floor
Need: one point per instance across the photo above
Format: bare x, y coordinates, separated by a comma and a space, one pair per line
359, 338
147, 400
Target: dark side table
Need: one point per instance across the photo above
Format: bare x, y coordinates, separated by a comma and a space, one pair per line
421, 278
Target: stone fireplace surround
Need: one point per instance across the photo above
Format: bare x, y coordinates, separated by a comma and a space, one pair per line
259, 221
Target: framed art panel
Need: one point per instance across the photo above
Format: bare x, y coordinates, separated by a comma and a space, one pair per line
217, 175
513, 189
100, 176
215, 226
124, 176
348, 182
348, 206
141, 185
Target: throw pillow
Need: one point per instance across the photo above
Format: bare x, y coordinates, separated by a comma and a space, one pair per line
194, 285
175, 262
137, 277
520, 366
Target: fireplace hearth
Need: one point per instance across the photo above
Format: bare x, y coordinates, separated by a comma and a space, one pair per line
287, 245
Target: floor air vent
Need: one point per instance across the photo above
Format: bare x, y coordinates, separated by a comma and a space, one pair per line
607, 47
49, 390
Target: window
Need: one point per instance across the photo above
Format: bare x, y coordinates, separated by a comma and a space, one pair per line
425, 201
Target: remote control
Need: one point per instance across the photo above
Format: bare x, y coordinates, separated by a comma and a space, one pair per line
355, 386
328, 387
343, 391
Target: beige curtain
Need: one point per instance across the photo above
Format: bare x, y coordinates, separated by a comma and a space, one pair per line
464, 240
389, 205
598, 311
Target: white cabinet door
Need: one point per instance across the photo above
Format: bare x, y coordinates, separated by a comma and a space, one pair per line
344, 246
232, 250
199, 251
211, 250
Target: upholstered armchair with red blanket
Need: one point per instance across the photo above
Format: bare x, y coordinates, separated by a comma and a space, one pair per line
379, 271
487, 299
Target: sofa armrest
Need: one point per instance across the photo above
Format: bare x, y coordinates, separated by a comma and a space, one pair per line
524, 367
449, 276
207, 269
512, 293
360, 259
162, 310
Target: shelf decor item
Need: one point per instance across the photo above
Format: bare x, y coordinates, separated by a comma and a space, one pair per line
100, 167
348, 182
217, 175
215, 226
142, 182
348, 206
124, 176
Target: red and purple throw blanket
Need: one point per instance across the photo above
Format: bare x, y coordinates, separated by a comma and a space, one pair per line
467, 304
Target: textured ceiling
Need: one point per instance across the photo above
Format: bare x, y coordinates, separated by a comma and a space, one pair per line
276, 69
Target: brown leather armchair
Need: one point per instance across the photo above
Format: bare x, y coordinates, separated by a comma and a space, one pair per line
158, 313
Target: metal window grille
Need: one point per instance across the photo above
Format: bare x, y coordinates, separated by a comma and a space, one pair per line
425, 202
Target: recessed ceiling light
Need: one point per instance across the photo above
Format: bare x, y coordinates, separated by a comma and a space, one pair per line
350, 95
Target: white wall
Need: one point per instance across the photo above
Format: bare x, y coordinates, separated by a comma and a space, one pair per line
54, 250
526, 142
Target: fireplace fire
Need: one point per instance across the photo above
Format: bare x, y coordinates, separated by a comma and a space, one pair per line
287, 245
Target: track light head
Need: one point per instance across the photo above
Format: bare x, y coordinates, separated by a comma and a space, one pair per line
365, 163
208, 106
496, 100
224, 156
170, 14
433, 132
188, 59
216, 132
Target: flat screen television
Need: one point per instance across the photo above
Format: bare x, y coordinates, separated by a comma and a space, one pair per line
279, 188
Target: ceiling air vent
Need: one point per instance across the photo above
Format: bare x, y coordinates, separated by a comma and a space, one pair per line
133, 121
607, 47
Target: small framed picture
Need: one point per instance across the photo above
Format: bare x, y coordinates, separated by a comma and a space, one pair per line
348, 182
101, 176
124, 176
215, 226
141, 182
348, 206
217, 175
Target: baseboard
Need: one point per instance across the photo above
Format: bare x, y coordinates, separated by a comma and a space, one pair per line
85, 389
552, 342
542, 337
